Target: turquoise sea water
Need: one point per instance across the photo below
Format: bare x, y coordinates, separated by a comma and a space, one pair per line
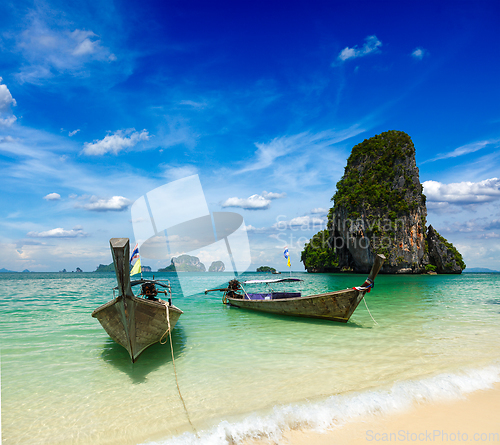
242, 374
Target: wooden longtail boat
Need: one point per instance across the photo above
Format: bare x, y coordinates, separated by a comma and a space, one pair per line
336, 306
136, 322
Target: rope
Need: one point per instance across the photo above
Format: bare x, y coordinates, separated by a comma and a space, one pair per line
364, 299
175, 371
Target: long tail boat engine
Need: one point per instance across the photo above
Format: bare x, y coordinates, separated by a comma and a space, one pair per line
232, 289
149, 291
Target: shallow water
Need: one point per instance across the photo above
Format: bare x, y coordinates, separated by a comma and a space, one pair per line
241, 373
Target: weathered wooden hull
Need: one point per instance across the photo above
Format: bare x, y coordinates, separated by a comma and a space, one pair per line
136, 323
133, 322
335, 306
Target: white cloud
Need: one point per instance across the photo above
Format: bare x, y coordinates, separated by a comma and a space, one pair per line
281, 146
320, 211
7, 121
302, 223
371, 45
52, 197
6, 102
306, 220
418, 53
6, 99
463, 192
84, 43
116, 204
174, 173
272, 195
59, 233
254, 202
72, 133
7, 139
193, 104
116, 142
250, 228
49, 50
465, 149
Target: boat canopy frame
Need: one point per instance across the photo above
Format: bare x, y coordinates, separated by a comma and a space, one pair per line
268, 283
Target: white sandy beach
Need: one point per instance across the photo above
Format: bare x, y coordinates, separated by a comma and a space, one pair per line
474, 419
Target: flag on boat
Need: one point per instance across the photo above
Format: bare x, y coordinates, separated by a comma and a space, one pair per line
135, 261
287, 256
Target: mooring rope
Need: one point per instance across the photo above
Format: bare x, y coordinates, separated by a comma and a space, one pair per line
364, 299
175, 371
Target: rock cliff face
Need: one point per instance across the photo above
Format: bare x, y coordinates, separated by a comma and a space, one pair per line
442, 254
379, 207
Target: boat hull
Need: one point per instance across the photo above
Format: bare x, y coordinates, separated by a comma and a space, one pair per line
335, 306
136, 323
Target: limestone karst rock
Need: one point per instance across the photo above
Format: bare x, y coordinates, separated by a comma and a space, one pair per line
379, 207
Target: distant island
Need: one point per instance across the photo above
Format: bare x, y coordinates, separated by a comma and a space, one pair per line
480, 270
111, 268
217, 266
104, 268
188, 263
266, 269
184, 263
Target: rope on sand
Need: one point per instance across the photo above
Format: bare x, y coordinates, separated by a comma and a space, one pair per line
175, 371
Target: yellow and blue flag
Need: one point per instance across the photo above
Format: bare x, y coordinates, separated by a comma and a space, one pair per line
287, 256
135, 261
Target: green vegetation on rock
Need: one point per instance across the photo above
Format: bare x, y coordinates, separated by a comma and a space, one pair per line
104, 268
456, 254
373, 169
317, 256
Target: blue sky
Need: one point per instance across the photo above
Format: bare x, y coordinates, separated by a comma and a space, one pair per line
101, 102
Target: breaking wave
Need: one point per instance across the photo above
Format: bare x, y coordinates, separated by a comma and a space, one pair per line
340, 409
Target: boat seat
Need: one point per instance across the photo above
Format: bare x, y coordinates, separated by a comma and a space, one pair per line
282, 295
274, 296
260, 296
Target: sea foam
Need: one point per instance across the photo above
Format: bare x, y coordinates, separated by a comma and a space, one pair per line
340, 409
